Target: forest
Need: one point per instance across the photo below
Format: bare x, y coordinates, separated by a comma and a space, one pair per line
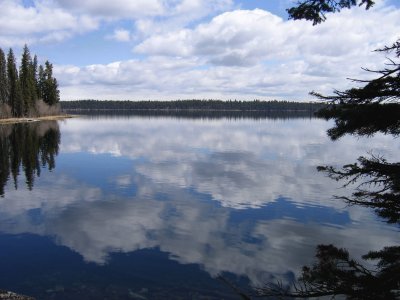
206, 105
31, 91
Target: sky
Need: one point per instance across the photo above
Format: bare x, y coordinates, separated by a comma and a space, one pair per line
197, 49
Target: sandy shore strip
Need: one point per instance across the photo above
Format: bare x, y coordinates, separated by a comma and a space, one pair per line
35, 119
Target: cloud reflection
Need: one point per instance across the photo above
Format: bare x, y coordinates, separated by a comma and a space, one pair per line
190, 229
177, 167
240, 164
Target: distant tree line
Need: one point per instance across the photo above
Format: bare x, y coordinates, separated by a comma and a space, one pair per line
197, 114
212, 105
30, 91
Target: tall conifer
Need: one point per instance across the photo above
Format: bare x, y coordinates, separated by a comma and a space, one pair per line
35, 77
50, 92
40, 83
15, 97
3, 78
27, 79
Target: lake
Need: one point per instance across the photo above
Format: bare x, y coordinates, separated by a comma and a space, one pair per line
142, 207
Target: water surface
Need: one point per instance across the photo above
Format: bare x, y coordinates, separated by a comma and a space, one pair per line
158, 207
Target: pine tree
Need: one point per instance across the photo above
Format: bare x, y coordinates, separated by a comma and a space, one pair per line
3, 78
15, 97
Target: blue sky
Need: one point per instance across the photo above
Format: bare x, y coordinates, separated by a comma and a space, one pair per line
180, 49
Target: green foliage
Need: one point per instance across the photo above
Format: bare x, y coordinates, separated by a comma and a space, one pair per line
316, 10
15, 97
21, 90
28, 83
48, 85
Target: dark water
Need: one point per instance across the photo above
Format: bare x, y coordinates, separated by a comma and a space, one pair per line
157, 208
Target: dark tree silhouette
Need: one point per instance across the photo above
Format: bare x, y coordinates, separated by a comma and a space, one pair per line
373, 107
335, 273
21, 91
316, 10
193, 105
362, 120
379, 188
15, 96
3, 78
27, 146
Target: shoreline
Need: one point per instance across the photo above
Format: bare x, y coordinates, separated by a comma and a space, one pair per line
35, 119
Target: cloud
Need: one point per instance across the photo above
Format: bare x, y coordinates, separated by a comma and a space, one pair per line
115, 8
241, 35
248, 54
121, 35
203, 49
181, 14
244, 37
56, 20
20, 24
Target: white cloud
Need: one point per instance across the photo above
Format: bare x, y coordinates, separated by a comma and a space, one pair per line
243, 54
20, 24
121, 35
248, 54
180, 14
115, 8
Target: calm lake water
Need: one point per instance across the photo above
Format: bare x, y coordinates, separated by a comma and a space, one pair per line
158, 207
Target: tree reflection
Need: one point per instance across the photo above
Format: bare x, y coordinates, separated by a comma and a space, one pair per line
335, 273
362, 111
366, 119
379, 188
27, 148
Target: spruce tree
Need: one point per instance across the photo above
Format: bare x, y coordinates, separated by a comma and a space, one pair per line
50, 92
3, 78
27, 79
34, 68
41, 83
15, 97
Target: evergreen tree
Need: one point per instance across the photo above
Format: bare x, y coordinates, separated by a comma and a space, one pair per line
41, 83
3, 78
15, 97
372, 107
316, 10
50, 92
34, 68
27, 79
